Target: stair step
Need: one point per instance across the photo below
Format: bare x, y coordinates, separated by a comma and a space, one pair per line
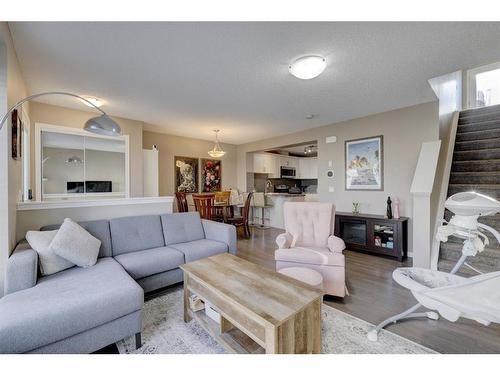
474, 126
492, 190
447, 265
476, 166
488, 260
491, 251
491, 153
480, 111
478, 135
487, 178
482, 144
491, 220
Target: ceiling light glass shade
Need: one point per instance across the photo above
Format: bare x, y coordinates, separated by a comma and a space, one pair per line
217, 151
103, 125
307, 67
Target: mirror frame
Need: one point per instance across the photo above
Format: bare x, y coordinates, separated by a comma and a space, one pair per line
42, 127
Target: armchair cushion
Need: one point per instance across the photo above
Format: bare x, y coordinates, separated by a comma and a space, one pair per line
310, 223
284, 240
336, 244
316, 256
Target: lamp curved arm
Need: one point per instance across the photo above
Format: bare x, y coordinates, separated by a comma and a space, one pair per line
31, 97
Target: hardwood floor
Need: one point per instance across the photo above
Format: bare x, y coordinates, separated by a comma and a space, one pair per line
374, 296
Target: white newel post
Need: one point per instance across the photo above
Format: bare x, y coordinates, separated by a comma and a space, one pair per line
421, 189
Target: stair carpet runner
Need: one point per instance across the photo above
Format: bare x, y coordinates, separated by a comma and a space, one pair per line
475, 166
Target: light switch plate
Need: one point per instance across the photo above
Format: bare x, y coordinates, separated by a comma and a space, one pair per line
331, 189
331, 139
330, 163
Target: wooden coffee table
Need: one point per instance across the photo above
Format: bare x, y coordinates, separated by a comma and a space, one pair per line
261, 310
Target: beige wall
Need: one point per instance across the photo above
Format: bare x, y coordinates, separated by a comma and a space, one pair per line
14, 89
404, 130
171, 145
55, 115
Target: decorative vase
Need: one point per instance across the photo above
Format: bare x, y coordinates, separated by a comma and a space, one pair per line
389, 208
396, 208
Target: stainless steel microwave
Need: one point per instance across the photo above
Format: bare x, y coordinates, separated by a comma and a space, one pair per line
287, 172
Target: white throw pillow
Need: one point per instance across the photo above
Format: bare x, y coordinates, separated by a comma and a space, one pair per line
75, 244
49, 262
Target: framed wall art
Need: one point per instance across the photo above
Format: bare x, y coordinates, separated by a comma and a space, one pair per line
364, 161
186, 174
17, 135
211, 170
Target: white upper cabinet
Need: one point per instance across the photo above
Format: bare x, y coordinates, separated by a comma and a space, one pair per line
266, 163
308, 168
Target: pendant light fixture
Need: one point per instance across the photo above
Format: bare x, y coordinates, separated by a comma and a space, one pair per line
217, 151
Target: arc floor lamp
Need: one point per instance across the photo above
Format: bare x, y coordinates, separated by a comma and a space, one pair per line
102, 124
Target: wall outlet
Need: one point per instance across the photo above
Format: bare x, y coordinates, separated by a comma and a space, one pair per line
331, 189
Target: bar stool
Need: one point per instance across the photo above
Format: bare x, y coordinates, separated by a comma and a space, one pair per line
259, 201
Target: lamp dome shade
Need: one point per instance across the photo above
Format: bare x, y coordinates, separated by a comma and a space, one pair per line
103, 125
307, 67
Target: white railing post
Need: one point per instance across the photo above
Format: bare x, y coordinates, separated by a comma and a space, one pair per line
421, 189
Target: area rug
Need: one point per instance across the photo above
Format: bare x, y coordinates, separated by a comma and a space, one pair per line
164, 332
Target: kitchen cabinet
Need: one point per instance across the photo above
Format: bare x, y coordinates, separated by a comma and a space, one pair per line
266, 163
308, 168
289, 161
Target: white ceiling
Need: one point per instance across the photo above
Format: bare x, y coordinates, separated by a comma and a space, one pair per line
190, 78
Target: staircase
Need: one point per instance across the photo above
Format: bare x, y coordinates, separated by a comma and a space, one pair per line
475, 166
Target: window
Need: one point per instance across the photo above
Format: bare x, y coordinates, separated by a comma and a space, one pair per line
72, 163
484, 86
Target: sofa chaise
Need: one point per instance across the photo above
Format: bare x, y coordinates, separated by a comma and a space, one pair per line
80, 310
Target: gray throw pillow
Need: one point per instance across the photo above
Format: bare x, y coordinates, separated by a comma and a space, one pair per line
75, 244
49, 262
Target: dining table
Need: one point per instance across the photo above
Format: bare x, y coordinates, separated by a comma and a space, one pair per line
227, 209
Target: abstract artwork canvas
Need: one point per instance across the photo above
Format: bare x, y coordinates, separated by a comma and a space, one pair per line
186, 174
364, 164
17, 133
210, 175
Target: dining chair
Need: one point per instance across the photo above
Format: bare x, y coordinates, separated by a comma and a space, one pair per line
204, 204
224, 199
242, 221
182, 203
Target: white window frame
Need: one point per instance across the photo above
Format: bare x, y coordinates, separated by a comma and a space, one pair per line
471, 82
41, 127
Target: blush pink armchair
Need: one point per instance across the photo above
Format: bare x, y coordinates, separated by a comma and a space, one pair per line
309, 242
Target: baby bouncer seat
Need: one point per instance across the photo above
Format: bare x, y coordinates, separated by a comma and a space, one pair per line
447, 294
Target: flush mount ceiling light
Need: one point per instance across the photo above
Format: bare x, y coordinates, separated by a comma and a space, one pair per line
92, 102
307, 67
217, 151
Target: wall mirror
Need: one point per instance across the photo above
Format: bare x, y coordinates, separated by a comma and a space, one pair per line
73, 164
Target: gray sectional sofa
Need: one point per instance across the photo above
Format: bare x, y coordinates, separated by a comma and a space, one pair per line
80, 310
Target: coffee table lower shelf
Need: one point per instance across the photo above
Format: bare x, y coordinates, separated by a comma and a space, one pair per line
233, 340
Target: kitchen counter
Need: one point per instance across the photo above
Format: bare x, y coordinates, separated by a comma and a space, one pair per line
285, 194
273, 213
